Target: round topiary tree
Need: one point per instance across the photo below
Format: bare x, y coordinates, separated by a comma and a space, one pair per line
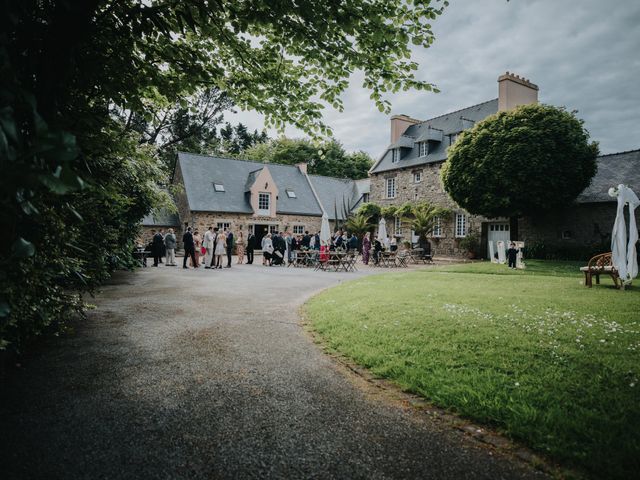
532, 159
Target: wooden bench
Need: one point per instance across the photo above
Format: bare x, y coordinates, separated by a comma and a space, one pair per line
600, 265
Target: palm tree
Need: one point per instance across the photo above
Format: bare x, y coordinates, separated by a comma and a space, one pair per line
424, 217
358, 224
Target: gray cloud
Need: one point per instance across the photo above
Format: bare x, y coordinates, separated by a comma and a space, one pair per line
583, 54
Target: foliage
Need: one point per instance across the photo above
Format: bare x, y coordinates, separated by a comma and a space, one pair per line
543, 251
470, 243
358, 224
532, 159
533, 352
326, 158
370, 210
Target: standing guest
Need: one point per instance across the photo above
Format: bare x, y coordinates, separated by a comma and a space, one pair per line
306, 240
352, 243
197, 242
377, 249
208, 245
366, 246
163, 248
229, 241
393, 244
221, 245
251, 245
189, 248
316, 241
240, 248
288, 249
512, 255
157, 242
338, 240
267, 249
215, 245
170, 244
312, 242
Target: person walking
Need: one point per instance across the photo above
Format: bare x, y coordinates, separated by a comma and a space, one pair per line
240, 248
251, 245
221, 244
229, 243
366, 247
189, 248
207, 243
170, 243
157, 243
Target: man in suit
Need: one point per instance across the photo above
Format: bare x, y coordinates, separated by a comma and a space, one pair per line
229, 246
251, 245
306, 240
213, 249
157, 243
189, 249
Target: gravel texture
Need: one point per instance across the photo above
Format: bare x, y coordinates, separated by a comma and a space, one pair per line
208, 374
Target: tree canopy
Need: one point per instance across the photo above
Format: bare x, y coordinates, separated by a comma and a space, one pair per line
326, 158
522, 162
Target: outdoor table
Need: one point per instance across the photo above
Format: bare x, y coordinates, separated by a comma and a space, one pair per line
141, 255
387, 259
402, 258
419, 255
335, 261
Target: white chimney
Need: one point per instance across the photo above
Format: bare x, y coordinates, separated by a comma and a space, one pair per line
514, 90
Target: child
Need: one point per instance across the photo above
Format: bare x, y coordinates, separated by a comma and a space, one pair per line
512, 255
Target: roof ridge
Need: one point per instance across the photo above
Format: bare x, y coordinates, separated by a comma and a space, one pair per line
456, 111
332, 178
619, 153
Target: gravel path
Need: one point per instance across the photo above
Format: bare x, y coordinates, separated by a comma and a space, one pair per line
208, 374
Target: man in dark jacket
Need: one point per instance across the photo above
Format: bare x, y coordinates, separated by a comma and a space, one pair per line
306, 240
352, 243
156, 247
229, 246
189, 249
251, 245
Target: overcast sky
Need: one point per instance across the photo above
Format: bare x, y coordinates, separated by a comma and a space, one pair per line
583, 54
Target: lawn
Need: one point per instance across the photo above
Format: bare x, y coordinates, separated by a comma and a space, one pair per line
533, 353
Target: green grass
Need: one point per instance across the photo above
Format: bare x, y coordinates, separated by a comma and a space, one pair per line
534, 353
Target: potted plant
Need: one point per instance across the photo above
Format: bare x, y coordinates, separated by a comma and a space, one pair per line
470, 244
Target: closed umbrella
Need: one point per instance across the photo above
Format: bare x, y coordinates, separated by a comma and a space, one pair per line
623, 254
382, 230
325, 232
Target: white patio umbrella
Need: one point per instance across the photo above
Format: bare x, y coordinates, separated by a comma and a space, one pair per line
382, 230
623, 254
325, 231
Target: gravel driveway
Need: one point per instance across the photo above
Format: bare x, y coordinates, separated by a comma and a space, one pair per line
208, 374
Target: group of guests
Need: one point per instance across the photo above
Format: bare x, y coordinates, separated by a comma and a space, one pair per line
209, 250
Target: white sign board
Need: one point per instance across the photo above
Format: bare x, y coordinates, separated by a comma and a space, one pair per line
502, 253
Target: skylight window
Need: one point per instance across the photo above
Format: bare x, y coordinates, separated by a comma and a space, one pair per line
218, 187
291, 194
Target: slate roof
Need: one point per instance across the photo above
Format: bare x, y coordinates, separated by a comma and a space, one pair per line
200, 171
161, 218
613, 169
450, 123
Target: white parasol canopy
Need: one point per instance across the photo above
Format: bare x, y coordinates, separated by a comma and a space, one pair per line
623, 254
382, 230
325, 231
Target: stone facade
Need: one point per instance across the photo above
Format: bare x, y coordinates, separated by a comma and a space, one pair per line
242, 222
429, 189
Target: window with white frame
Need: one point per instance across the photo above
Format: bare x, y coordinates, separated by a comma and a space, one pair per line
461, 225
395, 155
298, 229
436, 231
273, 229
397, 227
391, 187
365, 198
291, 194
417, 176
218, 187
424, 149
264, 203
252, 229
222, 225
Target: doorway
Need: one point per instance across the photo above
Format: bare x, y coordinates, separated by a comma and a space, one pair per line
497, 232
260, 230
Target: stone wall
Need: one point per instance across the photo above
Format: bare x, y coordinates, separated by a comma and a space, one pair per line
429, 189
241, 221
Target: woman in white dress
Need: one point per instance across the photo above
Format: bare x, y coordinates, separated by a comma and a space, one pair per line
221, 246
267, 249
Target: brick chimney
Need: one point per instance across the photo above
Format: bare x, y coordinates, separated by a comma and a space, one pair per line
514, 90
302, 167
399, 124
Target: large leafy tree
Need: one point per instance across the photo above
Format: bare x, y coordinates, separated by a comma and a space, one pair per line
75, 176
325, 158
522, 162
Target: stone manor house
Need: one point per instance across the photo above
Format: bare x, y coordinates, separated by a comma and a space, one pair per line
249, 196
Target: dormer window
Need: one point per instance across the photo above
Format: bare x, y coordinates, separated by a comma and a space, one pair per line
218, 187
424, 149
395, 155
291, 194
